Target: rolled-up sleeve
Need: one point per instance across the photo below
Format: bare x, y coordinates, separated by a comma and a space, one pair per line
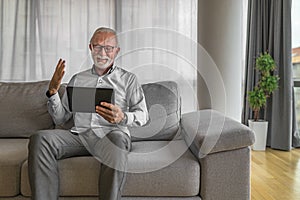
57, 108
137, 114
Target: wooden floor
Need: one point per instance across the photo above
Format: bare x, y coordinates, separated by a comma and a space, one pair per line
275, 175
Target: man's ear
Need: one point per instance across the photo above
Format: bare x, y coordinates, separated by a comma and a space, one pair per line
118, 49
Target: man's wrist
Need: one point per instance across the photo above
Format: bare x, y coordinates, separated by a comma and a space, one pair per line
50, 93
124, 120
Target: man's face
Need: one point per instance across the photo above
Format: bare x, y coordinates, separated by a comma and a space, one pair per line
104, 49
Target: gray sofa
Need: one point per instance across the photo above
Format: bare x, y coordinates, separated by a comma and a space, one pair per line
199, 155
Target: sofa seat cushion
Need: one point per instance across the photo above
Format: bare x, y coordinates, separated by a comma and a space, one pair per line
13, 152
79, 175
162, 168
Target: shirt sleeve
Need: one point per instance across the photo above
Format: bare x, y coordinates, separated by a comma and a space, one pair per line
137, 114
57, 108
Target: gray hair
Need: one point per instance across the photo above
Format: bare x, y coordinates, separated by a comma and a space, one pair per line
105, 30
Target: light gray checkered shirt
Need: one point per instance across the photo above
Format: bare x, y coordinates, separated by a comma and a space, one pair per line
128, 95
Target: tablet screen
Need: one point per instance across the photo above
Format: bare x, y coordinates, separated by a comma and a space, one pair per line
85, 99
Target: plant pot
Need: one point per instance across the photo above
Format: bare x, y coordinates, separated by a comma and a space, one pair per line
260, 129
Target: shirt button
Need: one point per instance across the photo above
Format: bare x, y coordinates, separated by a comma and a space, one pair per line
100, 81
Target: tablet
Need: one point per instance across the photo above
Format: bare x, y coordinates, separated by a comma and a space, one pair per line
85, 99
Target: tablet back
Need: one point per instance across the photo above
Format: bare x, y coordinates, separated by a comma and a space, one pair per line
84, 99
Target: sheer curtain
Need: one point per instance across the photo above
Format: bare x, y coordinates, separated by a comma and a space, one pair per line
158, 42
36, 33
157, 39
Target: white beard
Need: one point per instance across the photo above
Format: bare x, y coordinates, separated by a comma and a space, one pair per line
102, 65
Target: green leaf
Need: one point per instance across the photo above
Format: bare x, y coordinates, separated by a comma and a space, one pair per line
265, 63
267, 83
257, 98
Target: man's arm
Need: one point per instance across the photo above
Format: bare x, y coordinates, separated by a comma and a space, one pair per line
137, 114
56, 107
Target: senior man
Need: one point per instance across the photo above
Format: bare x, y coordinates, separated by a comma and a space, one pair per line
103, 133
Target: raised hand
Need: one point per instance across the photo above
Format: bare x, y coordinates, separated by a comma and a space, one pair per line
57, 77
111, 113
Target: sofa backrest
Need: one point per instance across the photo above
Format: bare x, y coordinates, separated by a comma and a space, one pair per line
163, 103
23, 110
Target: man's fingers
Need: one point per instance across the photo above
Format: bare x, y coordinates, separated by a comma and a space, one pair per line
60, 69
106, 116
105, 110
110, 106
57, 76
58, 64
61, 76
112, 116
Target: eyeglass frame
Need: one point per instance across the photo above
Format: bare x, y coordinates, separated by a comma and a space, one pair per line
103, 47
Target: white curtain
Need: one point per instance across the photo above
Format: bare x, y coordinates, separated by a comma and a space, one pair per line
158, 42
36, 33
157, 39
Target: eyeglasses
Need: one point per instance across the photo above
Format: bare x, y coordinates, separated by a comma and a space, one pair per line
107, 49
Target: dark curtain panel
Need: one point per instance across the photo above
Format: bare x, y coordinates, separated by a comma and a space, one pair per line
269, 29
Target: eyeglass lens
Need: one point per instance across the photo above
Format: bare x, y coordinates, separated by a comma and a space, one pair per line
107, 49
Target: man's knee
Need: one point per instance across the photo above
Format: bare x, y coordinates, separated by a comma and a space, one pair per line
113, 150
41, 141
37, 139
120, 139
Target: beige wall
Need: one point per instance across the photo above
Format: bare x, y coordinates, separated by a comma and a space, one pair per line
220, 29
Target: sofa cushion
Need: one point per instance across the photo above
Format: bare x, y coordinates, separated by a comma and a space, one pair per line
23, 109
162, 168
13, 152
209, 131
163, 103
79, 175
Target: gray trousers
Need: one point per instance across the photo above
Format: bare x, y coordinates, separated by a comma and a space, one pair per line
48, 146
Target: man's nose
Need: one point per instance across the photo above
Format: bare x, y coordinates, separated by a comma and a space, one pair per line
102, 51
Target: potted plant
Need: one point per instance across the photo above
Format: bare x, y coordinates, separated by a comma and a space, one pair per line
267, 83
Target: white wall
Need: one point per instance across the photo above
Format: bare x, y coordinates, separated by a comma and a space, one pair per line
220, 29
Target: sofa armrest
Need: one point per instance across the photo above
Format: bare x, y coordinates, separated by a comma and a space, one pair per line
209, 131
